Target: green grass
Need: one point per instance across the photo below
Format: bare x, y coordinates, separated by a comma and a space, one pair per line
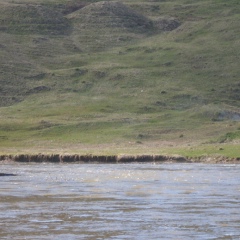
228, 150
112, 89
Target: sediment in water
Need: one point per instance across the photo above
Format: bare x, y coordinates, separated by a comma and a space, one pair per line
58, 158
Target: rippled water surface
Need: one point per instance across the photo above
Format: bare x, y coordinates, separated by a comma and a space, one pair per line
120, 201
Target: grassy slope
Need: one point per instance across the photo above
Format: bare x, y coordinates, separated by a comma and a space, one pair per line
115, 90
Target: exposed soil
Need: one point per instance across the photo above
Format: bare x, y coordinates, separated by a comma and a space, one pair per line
106, 14
57, 158
110, 14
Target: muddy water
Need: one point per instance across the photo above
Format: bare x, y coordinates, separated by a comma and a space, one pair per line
118, 201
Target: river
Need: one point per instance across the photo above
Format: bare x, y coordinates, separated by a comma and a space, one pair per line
120, 201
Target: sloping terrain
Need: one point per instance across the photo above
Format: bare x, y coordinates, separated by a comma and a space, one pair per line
31, 18
107, 23
143, 75
38, 33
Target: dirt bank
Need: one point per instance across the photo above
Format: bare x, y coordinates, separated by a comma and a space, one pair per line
57, 158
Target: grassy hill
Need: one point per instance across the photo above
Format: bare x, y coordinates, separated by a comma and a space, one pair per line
111, 77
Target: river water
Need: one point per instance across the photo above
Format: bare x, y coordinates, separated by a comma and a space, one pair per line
120, 201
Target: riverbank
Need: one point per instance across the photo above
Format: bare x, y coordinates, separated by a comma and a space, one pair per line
58, 158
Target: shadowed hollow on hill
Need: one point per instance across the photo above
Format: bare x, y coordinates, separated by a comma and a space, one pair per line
31, 19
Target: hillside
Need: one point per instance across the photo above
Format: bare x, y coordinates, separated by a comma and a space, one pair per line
120, 77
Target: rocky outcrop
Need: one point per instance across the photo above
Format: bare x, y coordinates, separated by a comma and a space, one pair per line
7, 174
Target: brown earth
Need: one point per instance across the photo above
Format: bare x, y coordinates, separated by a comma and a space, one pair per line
57, 158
